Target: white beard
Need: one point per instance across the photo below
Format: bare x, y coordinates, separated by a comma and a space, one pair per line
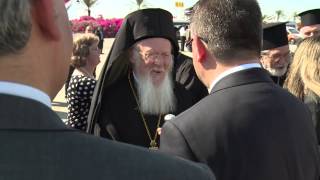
277, 72
156, 100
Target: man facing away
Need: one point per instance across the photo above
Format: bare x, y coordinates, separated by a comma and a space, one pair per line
136, 90
247, 128
35, 49
275, 55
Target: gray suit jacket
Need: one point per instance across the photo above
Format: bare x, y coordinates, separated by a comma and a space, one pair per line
36, 145
248, 128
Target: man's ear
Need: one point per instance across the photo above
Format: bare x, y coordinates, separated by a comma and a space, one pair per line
199, 49
45, 15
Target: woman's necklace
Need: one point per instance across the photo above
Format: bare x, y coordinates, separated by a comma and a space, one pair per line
153, 141
86, 73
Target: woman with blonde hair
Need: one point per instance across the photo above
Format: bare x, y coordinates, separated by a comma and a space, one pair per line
303, 78
85, 58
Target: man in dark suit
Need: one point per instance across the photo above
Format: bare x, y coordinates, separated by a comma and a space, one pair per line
247, 128
144, 81
35, 48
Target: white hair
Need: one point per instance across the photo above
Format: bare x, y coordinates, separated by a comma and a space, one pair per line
276, 71
155, 99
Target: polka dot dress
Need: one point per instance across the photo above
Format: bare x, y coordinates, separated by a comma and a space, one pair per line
79, 95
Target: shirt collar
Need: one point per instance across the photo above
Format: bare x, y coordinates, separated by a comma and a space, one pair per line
25, 91
233, 70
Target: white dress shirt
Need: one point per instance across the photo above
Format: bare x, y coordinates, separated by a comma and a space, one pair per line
25, 91
233, 70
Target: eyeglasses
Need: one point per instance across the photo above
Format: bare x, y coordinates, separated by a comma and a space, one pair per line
151, 56
277, 56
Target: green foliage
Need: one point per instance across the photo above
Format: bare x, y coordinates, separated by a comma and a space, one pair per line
139, 4
279, 14
89, 4
266, 18
295, 16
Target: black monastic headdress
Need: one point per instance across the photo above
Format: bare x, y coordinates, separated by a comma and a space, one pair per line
310, 17
139, 25
274, 35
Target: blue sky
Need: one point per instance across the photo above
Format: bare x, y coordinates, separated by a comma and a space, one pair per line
119, 8
269, 7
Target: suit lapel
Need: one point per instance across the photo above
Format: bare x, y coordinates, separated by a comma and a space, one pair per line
248, 76
17, 113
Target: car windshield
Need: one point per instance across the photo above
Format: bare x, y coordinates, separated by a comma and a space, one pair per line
293, 31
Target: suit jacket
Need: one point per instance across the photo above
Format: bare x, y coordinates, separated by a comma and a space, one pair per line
247, 128
36, 145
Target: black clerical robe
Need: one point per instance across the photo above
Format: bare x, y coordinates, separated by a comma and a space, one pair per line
120, 119
113, 111
185, 75
279, 79
313, 103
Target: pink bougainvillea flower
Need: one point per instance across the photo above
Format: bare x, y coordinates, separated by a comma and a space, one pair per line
110, 26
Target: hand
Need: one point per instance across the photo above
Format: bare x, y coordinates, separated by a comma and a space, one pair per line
159, 131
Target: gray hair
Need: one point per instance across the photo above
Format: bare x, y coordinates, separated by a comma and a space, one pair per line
232, 29
15, 25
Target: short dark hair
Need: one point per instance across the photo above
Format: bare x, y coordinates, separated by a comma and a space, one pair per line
232, 29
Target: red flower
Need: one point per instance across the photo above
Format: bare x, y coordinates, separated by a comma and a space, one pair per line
110, 26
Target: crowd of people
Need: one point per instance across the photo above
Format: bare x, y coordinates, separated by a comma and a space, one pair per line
242, 108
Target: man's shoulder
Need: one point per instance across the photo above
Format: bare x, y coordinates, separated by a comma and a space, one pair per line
137, 161
194, 114
76, 155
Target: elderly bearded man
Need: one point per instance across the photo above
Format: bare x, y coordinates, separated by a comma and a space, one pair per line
136, 90
35, 48
275, 56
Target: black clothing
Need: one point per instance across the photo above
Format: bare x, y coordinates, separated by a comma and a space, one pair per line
247, 128
79, 95
100, 35
279, 80
120, 118
313, 103
186, 76
139, 25
37, 145
274, 35
66, 84
183, 42
310, 17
